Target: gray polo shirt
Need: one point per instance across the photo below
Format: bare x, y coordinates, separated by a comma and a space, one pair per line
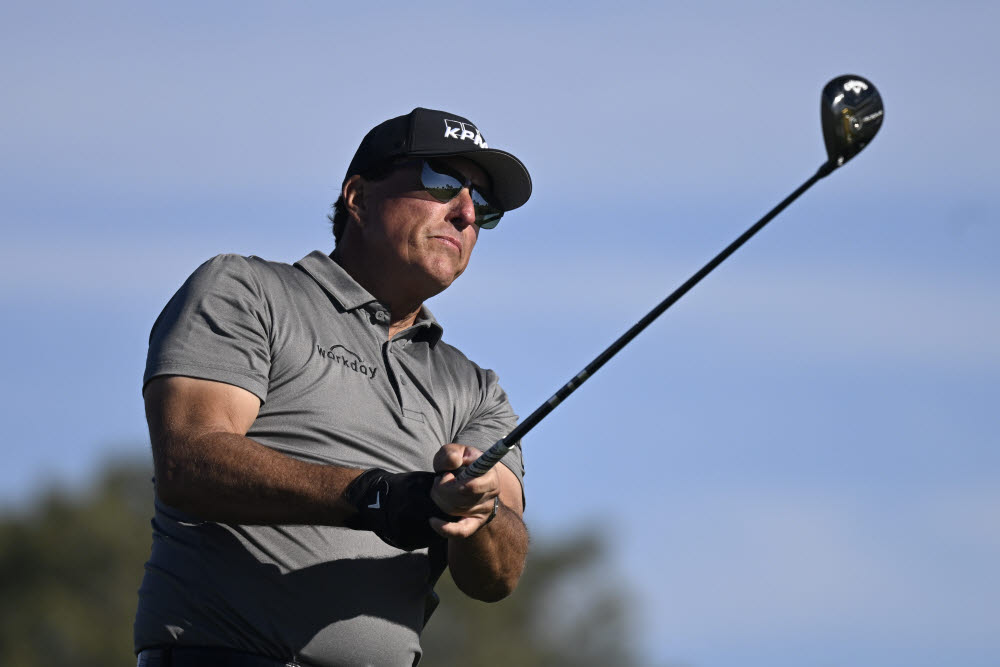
313, 345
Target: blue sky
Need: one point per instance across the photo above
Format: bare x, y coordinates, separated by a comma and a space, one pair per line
798, 464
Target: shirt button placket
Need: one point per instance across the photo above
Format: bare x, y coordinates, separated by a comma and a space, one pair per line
395, 346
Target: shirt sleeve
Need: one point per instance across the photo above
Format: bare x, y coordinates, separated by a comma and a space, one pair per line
493, 420
216, 327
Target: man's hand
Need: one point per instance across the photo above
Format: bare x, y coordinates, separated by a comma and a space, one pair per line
472, 500
485, 561
395, 506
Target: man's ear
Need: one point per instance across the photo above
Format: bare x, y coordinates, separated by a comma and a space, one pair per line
354, 198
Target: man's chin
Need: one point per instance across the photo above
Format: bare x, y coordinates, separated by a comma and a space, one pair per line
426, 285
440, 278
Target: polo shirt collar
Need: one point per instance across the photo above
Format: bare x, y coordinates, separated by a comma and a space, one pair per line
349, 294
334, 279
429, 324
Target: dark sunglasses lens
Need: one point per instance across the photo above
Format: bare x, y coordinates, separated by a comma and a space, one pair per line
442, 187
487, 215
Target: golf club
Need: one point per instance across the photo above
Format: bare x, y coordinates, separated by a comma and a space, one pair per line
851, 114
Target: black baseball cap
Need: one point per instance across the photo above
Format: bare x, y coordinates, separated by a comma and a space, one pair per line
430, 133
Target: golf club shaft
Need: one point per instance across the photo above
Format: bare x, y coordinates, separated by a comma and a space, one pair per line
490, 457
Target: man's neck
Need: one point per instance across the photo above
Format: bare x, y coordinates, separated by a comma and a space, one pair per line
403, 310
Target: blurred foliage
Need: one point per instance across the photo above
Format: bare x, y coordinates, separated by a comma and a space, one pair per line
566, 611
71, 564
70, 567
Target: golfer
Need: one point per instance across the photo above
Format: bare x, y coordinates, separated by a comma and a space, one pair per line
307, 421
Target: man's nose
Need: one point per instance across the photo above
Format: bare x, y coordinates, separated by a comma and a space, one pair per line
463, 209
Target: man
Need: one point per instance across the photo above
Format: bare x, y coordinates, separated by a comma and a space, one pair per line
296, 413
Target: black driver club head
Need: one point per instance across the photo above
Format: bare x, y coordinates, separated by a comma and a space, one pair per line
851, 112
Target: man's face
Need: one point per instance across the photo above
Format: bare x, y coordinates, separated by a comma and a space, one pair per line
422, 243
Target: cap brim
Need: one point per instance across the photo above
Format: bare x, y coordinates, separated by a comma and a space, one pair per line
511, 183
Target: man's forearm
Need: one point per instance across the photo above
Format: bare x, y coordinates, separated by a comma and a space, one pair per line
232, 479
488, 565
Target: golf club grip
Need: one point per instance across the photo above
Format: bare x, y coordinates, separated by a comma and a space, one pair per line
492, 456
486, 461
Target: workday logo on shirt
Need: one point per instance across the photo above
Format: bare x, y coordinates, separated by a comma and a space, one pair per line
338, 354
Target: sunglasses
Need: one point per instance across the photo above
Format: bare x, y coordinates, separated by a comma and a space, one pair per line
444, 184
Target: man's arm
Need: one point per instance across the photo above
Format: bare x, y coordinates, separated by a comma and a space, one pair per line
486, 561
206, 466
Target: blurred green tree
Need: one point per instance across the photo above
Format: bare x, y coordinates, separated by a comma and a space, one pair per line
566, 611
70, 566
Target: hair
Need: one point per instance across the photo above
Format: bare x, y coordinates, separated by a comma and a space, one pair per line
339, 216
